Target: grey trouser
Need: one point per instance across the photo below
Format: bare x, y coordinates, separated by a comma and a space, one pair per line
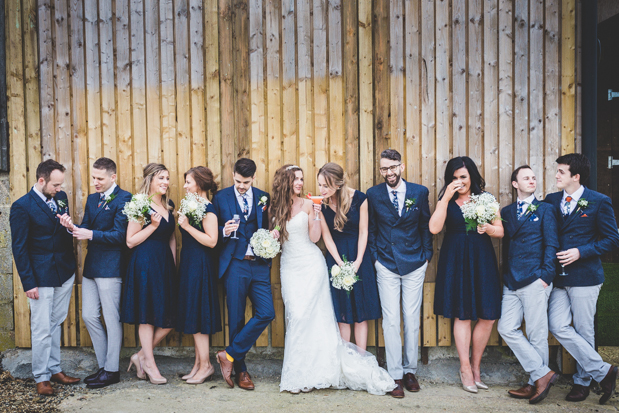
46, 315
531, 303
577, 305
410, 287
103, 295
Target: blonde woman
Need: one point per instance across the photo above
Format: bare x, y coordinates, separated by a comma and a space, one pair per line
345, 233
150, 287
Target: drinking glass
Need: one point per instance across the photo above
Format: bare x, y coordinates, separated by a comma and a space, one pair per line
317, 200
237, 220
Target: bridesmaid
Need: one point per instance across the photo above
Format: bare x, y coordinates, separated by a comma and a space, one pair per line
467, 280
198, 302
345, 233
150, 288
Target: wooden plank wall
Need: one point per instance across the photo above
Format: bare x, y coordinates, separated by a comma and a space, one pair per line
190, 82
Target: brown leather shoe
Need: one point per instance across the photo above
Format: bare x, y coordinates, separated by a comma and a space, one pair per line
411, 383
577, 394
244, 381
44, 388
542, 387
525, 392
64, 379
398, 392
608, 384
226, 367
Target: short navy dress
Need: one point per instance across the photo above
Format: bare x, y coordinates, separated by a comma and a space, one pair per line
151, 286
198, 300
363, 303
468, 286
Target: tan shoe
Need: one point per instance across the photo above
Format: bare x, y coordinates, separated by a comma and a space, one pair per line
226, 367
244, 381
525, 392
64, 379
542, 387
44, 388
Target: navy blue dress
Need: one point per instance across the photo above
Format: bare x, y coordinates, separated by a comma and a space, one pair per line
363, 303
467, 280
198, 301
151, 286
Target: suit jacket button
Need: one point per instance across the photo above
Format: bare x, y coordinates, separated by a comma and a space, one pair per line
393, 243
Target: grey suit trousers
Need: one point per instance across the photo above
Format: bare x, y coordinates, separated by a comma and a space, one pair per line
531, 304
102, 295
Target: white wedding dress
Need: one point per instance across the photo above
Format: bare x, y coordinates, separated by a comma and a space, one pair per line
315, 356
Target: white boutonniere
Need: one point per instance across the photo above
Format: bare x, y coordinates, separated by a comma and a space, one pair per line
110, 198
62, 204
409, 203
532, 208
582, 203
263, 202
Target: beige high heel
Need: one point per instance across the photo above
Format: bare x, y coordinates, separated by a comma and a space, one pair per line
135, 361
200, 380
470, 389
152, 379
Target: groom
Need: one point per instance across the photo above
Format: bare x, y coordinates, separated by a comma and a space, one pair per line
244, 275
401, 247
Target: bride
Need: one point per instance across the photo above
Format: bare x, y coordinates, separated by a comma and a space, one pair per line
315, 356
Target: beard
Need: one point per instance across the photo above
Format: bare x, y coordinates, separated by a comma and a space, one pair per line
45, 191
397, 180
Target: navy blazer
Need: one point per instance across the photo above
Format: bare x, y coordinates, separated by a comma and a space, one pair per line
42, 248
530, 245
593, 230
401, 243
226, 205
106, 250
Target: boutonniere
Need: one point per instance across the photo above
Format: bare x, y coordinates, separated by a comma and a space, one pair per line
532, 208
263, 202
582, 205
110, 198
62, 204
409, 203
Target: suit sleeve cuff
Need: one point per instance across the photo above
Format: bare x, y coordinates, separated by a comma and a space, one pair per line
547, 278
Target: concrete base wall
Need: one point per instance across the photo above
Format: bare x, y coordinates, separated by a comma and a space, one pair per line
7, 325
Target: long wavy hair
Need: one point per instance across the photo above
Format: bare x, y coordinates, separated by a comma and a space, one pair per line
283, 199
336, 179
150, 171
478, 184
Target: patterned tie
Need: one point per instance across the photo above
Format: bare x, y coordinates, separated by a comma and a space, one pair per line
245, 206
568, 205
50, 203
101, 200
395, 201
521, 205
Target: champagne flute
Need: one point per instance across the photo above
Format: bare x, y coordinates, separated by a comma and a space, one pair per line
563, 273
237, 220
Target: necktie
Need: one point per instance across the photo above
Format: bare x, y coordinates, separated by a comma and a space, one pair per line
395, 201
568, 205
50, 203
245, 206
521, 205
101, 200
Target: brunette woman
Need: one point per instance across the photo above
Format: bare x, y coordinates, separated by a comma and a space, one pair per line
467, 281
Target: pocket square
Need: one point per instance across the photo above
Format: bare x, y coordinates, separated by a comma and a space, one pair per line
533, 218
107, 208
583, 216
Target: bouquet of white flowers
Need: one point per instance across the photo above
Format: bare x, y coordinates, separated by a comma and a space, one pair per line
344, 277
193, 206
264, 245
480, 209
138, 209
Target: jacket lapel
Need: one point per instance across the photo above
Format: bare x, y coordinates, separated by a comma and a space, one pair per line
408, 195
522, 220
232, 203
258, 209
574, 212
42, 205
386, 197
102, 207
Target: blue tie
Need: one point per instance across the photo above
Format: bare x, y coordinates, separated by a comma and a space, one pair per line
395, 201
245, 206
521, 205
50, 203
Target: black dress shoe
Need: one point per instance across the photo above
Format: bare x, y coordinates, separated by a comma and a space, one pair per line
105, 379
93, 377
608, 384
578, 393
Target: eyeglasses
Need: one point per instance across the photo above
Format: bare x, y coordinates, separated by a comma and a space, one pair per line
392, 168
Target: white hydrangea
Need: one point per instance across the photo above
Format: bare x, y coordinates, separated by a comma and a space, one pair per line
480, 209
193, 206
137, 210
264, 245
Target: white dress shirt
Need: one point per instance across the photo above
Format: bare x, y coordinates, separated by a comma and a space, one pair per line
43, 197
400, 193
575, 197
110, 190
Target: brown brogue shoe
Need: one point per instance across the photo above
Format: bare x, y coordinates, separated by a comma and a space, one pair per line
525, 392
542, 387
44, 388
411, 383
398, 392
578, 393
64, 379
226, 367
608, 384
244, 381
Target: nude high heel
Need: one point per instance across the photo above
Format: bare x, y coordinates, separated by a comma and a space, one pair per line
152, 379
470, 389
200, 380
135, 361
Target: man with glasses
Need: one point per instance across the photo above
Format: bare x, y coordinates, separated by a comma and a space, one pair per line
401, 247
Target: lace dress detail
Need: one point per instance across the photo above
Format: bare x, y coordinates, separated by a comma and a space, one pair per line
314, 353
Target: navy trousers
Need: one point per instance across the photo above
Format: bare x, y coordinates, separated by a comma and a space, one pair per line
244, 279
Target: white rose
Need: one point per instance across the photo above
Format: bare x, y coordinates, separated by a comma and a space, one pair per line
266, 243
192, 205
348, 280
480, 210
335, 271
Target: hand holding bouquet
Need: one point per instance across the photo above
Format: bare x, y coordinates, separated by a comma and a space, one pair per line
344, 276
138, 209
193, 206
264, 244
480, 209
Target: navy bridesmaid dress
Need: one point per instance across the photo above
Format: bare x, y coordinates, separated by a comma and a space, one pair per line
198, 300
363, 303
468, 286
151, 286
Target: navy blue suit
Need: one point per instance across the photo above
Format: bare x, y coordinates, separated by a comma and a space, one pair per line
243, 278
401, 243
108, 224
593, 230
42, 248
530, 245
